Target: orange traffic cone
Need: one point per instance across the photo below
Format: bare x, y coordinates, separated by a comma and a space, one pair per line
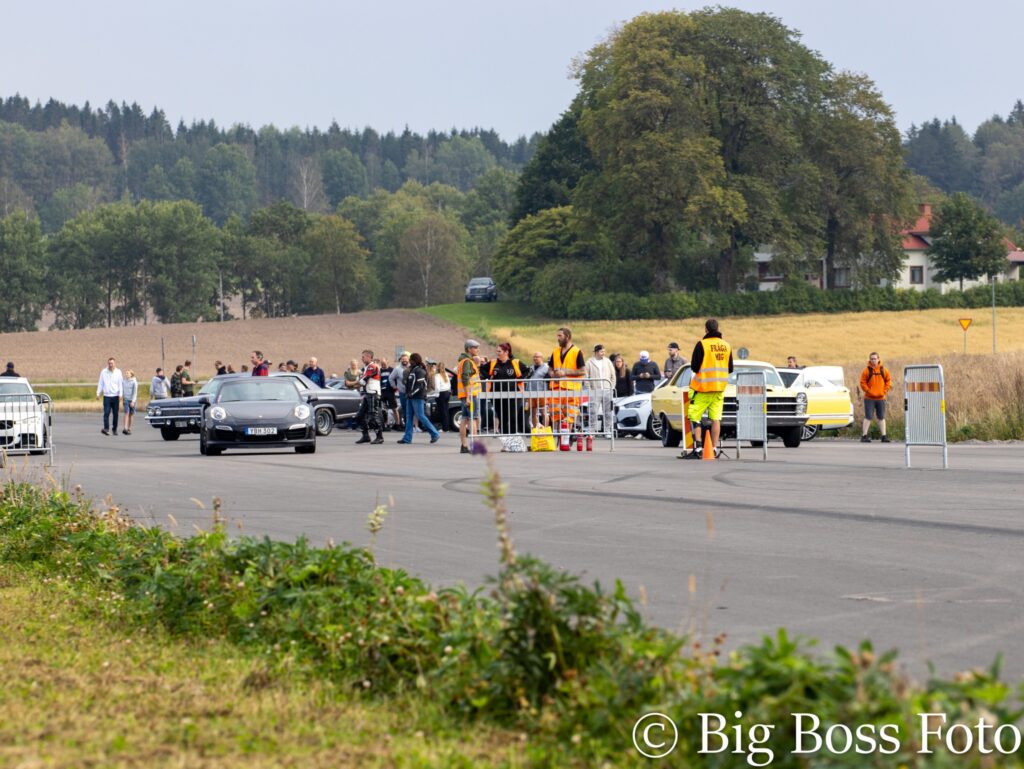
709, 449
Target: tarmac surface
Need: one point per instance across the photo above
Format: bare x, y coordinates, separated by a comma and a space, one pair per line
835, 540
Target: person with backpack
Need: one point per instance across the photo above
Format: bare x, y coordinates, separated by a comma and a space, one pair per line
415, 381
176, 389
875, 383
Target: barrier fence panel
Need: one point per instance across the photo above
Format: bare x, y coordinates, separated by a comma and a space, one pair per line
924, 408
576, 410
26, 424
752, 410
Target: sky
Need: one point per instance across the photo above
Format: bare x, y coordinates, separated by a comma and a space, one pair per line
460, 63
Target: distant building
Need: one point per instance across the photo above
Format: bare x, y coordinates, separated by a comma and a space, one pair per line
917, 273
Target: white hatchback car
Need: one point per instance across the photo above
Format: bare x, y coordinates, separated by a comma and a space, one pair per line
23, 419
633, 414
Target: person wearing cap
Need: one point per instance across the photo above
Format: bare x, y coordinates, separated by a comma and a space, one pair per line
601, 383
711, 364
645, 374
674, 361
9, 371
468, 389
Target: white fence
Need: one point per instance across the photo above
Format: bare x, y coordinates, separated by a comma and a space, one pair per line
752, 410
924, 407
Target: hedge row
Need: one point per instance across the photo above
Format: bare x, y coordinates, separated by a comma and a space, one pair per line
789, 300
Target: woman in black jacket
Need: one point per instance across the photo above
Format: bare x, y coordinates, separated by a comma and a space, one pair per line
623, 379
416, 393
505, 377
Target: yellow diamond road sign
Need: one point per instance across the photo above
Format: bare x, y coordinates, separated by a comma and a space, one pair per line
965, 322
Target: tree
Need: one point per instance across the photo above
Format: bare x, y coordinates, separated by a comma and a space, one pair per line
307, 184
22, 264
967, 242
431, 267
67, 203
344, 175
184, 251
227, 183
342, 278
944, 154
660, 173
865, 195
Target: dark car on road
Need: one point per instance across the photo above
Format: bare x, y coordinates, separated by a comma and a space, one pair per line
257, 412
481, 290
177, 416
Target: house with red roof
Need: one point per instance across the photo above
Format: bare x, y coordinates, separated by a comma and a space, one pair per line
918, 272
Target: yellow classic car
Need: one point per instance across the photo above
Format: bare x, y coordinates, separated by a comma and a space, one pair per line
829, 406
787, 408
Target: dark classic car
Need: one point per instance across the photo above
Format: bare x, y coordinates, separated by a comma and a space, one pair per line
175, 416
257, 412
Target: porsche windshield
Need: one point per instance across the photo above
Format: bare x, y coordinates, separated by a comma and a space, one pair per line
256, 389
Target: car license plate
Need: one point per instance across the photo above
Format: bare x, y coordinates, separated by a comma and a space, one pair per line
261, 431
181, 423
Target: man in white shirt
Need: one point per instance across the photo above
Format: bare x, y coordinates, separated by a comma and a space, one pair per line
110, 388
601, 382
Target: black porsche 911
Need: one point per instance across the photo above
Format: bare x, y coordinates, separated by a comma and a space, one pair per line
257, 412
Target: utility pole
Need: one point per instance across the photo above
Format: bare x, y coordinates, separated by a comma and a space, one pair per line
993, 314
220, 276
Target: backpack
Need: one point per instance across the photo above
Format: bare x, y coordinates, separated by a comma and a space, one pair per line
176, 391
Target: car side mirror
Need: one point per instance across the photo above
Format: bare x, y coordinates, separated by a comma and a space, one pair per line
204, 400
310, 397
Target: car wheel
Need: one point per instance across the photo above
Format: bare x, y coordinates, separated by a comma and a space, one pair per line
791, 437
324, 422
670, 437
169, 433
455, 418
653, 431
203, 448
306, 449
807, 432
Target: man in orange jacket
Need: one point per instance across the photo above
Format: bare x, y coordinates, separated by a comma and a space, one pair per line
875, 383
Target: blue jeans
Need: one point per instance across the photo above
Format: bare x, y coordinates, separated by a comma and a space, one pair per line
111, 403
417, 407
403, 406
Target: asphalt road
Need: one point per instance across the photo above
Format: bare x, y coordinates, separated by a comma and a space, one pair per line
835, 540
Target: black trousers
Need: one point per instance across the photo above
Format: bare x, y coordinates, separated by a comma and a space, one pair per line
369, 417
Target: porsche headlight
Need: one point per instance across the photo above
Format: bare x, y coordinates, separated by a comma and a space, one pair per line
801, 403
301, 411
218, 413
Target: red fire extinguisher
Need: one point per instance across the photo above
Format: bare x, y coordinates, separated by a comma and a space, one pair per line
563, 441
579, 443
590, 443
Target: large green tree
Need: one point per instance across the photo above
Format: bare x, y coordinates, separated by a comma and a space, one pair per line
183, 261
645, 123
967, 241
22, 264
340, 276
866, 195
226, 183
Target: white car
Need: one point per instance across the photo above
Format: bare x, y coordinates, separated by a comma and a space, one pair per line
24, 424
829, 405
633, 414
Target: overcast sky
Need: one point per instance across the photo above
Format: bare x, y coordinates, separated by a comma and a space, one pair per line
461, 63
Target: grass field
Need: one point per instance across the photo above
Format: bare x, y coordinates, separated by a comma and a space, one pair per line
76, 692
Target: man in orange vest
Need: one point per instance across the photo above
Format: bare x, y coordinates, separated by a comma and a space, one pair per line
468, 389
566, 364
711, 364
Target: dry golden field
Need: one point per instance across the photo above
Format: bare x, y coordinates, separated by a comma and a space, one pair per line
78, 356
813, 339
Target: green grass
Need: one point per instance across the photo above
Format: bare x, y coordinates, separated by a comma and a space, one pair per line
481, 317
77, 691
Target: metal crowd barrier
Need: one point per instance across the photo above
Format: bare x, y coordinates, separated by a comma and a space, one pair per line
752, 410
26, 425
924, 407
513, 407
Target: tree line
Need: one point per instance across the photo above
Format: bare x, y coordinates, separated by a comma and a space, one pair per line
127, 263
58, 160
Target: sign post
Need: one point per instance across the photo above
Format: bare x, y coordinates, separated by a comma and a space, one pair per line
965, 323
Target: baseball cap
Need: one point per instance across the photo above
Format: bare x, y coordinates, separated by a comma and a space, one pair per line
598, 347
644, 355
470, 343
673, 345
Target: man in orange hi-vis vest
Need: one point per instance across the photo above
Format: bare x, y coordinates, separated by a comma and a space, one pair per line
566, 364
711, 364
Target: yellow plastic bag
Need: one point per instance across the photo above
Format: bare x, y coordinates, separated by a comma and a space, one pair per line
541, 439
